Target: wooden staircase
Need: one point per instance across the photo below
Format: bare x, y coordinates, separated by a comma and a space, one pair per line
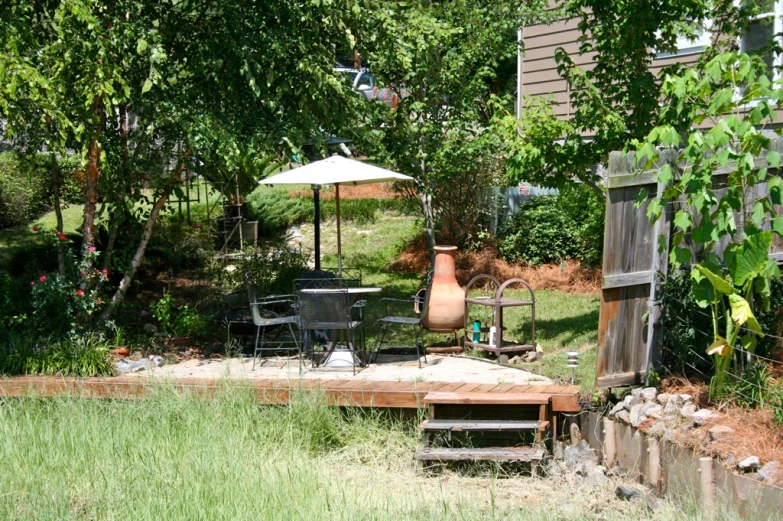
486, 427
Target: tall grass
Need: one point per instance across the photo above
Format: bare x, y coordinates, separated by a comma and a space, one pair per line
223, 456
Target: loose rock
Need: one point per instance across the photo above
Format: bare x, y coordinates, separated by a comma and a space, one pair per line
702, 416
597, 476
649, 393
663, 398
516, 360
628, 492
503, 359
768, 471
657, 429
637, 416
688, 410
719, 432
617, 408
655, 412
578, 454
749, 464
624, 416
637, 393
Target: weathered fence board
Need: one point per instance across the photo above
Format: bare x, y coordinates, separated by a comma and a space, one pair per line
629, 333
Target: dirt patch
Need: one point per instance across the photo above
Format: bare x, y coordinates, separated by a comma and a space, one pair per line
569, 277
368, 191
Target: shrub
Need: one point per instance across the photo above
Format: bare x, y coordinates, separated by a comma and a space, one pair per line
272, 267
175, 246
26, 186
277, 211
556, 228
82, 355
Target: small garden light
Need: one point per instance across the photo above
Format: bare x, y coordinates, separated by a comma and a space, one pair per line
572, 362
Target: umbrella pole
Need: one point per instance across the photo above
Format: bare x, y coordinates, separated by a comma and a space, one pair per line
317, 221
339, 239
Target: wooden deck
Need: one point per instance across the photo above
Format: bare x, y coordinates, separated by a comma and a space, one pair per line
348, 393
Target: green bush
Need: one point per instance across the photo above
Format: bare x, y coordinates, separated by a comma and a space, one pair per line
26, 186
555, 228
277, 211
175, 246
82, 355
271, 266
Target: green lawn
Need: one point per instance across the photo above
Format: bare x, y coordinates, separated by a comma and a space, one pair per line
20, 237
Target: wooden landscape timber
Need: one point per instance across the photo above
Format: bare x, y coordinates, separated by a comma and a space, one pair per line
343, 393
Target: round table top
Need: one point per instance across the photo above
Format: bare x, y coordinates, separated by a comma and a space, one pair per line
350, 291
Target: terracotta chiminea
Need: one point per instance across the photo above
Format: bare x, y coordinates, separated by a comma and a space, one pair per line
444, 308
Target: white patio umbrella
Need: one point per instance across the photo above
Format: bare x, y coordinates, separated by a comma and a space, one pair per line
334, 171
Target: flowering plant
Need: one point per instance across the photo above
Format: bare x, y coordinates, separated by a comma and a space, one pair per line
64, 302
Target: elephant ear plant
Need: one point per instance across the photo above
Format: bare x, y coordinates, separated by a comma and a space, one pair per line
712, 139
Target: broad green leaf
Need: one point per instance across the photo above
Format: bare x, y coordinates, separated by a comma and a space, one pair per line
719, 283
701, 288
748, 342
751, 258
680, 256
742, 314
147, 86
141, 46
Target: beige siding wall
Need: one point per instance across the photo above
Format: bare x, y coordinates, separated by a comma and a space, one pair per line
539, 76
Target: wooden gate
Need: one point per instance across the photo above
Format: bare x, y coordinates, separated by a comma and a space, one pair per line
629, 330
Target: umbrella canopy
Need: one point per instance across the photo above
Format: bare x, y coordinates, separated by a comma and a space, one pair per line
335, 171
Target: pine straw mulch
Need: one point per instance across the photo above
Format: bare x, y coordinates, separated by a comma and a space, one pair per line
367, 191
570, 278
755, 432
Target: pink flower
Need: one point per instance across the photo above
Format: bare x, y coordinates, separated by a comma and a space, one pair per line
42, 278
61, 236
32, 283
105, 271
79, 292
91, 249
36, 229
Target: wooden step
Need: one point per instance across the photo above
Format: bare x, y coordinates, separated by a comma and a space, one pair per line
436, 398
483, 454
483, 425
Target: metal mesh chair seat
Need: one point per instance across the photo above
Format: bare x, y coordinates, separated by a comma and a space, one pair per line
408, 321
266, 315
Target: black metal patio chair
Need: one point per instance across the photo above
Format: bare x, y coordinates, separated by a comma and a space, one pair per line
329, 308
271, 315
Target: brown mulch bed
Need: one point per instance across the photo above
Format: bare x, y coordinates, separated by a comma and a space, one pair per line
571, 277
755, 432
368, 191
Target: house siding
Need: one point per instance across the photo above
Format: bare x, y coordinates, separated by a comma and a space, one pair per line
538, 71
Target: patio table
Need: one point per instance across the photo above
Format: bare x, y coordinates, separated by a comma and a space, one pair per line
354, 294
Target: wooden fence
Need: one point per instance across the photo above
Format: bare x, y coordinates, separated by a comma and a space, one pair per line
629, 331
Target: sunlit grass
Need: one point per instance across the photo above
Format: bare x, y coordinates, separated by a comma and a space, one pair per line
223, 456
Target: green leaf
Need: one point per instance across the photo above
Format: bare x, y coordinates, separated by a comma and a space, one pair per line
141, 46
748, 342
702, 290
777, 225
147, 86
742, 314
719, 283
751, 258
680, 256
719, 347
682, 220
773, 158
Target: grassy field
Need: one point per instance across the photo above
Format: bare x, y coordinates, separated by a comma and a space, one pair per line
20, 237
181, 457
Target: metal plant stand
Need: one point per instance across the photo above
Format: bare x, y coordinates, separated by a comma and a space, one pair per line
498, 302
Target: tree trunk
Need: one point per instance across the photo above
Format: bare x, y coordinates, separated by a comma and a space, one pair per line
146, 234
58, 211
425, 201
91, 181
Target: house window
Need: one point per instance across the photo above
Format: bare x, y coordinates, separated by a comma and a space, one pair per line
686, 45
761, 33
